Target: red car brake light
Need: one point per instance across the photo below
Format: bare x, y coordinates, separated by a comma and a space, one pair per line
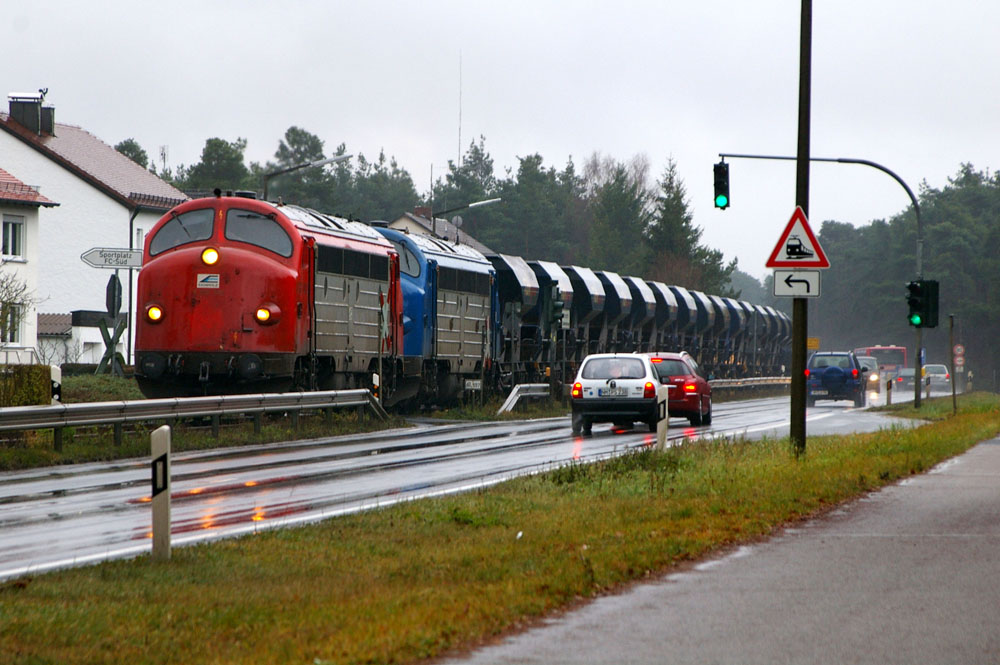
854, 372
649, 390
577, 390
807, 374
690, 388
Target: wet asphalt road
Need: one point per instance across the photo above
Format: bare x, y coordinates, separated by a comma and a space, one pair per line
909, 574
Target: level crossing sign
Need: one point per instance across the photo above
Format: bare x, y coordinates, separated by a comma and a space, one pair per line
797, 247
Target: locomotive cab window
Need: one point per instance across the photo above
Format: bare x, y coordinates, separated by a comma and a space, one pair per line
259, 230
191, 226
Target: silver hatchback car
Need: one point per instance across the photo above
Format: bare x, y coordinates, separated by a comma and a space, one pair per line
614, 387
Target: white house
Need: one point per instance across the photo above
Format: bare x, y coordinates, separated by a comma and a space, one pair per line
19, 260
105, 200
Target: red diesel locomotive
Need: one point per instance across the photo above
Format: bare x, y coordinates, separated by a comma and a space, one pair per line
238, 295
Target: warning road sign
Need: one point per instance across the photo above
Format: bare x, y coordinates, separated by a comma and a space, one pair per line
797, 247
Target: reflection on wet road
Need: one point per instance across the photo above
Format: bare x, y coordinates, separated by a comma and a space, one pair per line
64, 516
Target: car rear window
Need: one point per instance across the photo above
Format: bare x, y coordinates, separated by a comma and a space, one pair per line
614, 368
671, 368
830, 360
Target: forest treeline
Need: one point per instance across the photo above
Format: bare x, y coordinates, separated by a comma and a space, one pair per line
609, 214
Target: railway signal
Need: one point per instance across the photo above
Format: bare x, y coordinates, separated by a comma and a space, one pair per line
722, 185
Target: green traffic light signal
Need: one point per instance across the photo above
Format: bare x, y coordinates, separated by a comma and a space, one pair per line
916, 320
721, 171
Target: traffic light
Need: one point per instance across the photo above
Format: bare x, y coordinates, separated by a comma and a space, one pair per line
722, 185
922, 298
930, 303
915, 299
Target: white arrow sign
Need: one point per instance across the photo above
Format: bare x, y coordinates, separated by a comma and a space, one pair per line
796, 283
112, 257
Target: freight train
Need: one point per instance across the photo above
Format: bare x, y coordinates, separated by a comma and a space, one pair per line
240, 295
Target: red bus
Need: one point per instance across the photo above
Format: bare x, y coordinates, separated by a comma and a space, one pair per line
890, 358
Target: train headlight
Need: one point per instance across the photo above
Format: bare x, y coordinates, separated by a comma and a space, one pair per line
267, 314
154, 313
210, 256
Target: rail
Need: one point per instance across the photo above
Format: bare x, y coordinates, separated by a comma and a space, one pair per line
117, 413
536, 390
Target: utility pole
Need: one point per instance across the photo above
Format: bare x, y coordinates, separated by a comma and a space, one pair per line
799, 310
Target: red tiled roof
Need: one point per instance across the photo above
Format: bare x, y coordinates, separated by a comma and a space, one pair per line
13, 190
98, 163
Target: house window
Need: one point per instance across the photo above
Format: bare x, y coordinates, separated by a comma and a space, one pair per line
13, 235
10, 321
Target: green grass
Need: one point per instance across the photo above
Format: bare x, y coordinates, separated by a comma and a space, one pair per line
400, 584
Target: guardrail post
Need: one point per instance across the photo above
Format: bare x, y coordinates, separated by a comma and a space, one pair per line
257, 422
160, 446
118, 435
216, 425
57, 439
295, 420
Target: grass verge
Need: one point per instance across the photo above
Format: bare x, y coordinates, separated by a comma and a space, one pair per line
400, 584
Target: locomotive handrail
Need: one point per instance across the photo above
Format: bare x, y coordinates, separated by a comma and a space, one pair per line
121, 412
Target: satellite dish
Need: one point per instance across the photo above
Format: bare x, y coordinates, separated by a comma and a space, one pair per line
457, 221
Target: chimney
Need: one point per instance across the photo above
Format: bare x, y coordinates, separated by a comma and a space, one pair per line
422, 211
26, 109
48, 120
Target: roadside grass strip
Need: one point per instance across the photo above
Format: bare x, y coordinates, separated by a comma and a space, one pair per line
413, 581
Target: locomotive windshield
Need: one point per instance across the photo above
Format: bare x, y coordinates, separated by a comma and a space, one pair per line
188, 227
256, 229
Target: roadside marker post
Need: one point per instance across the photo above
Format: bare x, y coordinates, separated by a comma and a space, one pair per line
160, 445
662, 417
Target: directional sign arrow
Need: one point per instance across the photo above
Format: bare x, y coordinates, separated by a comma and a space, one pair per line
112, 257
789, 281
797, 283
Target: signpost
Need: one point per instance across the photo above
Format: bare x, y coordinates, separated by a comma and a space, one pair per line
797, 283
112, 257
798, 248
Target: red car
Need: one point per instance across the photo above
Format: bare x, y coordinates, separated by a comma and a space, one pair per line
690, 393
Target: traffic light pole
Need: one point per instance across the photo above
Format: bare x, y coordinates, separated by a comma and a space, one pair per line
797, 425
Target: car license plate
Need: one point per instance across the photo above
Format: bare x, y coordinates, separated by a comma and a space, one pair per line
611, 392
818, 392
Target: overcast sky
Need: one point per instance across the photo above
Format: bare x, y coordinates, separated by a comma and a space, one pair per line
910, 84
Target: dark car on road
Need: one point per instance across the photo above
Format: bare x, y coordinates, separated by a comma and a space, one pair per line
835, 375
904, 380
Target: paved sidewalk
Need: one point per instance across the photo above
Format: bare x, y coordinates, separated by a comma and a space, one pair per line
910, 574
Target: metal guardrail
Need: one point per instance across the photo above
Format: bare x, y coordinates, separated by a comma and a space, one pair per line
118, 413
525, 390
753, 382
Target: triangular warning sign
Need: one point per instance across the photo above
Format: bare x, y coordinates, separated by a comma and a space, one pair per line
798, 247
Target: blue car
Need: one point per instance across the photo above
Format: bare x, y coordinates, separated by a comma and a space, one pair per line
835, 375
